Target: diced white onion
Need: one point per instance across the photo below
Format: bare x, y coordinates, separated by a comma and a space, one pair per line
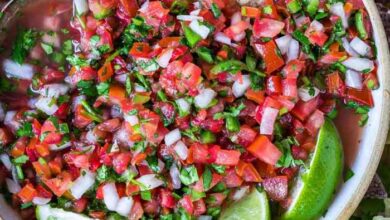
195, 12
183, 105
122, 137
360, 46
358, 64
316, 25
139, 88
10, 121
240, 193
54, 90
164, 58
40, 200
110, 196
172, 137
91, 137
240, 86
353, 79
222, 38
293, 50
268, 120
81, 6
236, 17
13, 69
239, 37
181, 150
304, 94
202, 30
149, 181
161, 165
4, 158
283, 43
175, 176
82, 184
348, 48
46, 105
132, 119
204, 98
197, 5
300, 20
189, 18
338, 9
13, 186
124, 206
144, 7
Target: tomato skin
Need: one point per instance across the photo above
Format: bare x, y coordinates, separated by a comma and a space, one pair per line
27, 193
266, 27
121, 161
268, 52
335, 84
363, 96
167, 200
199, 207
236, 29
231, 179
80, 205
224, 157
246, 135
200, 153
274, 85
265, 150
42, 192
60, 184
276, 187
248, 172
302, 109
99, 192
187, 204
52, 135
314, 122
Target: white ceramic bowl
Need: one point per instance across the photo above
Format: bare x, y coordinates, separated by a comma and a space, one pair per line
363, 149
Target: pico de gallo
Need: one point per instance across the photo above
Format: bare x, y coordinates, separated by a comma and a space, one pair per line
171, 109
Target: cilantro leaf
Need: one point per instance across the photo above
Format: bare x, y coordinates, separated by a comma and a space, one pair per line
25, 130
189, 175
25, 41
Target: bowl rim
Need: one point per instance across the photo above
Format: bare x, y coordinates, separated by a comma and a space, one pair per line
383, 61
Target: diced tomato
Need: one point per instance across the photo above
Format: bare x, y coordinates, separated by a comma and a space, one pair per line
78, 160
132, 189
42, 169
317, 37
293, 68
190, 75
19, 147
236, 29
226, 157
50, 133
250, 12
105, 72
246, 135
333, 57
290, 88
137, 211
231, 179
276, 187
167, 200
266, 27
121, 161
256, 96
363, 96
140, 50
130, 6
248, 172
187, 204
60, 184
271, 56
116, 94
27, 193
271, 11
335, 84
274, 85
200, 153
199, 207
80, 205
265, 150
302, 109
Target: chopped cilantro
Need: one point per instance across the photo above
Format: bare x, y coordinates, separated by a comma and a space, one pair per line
25, 41
25, 130
189, 175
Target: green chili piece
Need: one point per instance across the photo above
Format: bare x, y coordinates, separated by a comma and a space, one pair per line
232, 124
207, 137
312, 7
91, 113
294, 6
192, 37
359, 22
231, 66
205, 54
299, 36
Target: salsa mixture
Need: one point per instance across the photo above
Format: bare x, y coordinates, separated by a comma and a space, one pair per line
171, 109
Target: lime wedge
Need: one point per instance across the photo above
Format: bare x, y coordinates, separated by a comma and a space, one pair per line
45, 212
253, 206
314, 188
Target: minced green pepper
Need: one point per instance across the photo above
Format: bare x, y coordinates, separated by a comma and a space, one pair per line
359, 23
